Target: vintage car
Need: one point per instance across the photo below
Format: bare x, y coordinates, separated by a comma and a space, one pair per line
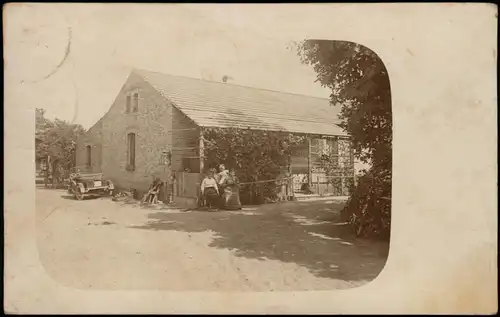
82, 182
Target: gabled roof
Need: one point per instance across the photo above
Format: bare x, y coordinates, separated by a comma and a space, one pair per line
224, 105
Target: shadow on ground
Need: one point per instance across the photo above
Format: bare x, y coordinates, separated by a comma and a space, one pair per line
87, 197
135, 203
308, 234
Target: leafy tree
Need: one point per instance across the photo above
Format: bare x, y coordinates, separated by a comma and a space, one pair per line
360, 86
56, 143
39, 119
256, 155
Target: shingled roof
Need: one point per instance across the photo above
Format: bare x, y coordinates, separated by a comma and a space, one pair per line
223, 105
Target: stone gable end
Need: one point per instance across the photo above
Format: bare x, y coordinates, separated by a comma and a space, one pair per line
151, 124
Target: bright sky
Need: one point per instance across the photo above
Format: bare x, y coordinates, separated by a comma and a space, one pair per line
201, 41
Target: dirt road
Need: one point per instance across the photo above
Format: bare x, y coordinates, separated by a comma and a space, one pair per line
101, 244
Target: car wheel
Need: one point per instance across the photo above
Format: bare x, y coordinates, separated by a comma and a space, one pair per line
78, 194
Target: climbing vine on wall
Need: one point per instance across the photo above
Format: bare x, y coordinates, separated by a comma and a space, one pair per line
256, 156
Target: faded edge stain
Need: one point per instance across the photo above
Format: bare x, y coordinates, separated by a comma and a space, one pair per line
66, 54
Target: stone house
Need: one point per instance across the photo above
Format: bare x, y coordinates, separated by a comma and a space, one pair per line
152, 128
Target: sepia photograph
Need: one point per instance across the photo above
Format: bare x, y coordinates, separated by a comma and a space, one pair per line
211, 182
172, 153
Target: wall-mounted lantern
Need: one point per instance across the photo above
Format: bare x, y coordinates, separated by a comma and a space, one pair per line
166, 157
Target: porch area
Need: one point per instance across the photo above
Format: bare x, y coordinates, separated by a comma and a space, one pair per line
321, 166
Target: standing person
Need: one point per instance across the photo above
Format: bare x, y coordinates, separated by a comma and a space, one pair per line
171, 185
223, 173
221, 178
231, 191
210, 189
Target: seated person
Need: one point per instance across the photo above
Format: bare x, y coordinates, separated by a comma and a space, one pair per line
210, 190
231, 192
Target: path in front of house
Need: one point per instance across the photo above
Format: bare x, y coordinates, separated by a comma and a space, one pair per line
101, 244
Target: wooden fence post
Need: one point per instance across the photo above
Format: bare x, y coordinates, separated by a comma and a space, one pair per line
174, 187
201, 150
183, 184
342, 180
317, 186
309, 159
351, 162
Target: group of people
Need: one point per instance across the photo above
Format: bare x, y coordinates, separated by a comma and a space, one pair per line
221, 190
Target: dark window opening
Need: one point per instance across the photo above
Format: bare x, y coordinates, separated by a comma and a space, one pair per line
127, 106
191, 164
89, 155
131, 151
135, 106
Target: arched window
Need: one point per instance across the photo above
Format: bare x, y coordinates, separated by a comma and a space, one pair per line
89, 155
131, 151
